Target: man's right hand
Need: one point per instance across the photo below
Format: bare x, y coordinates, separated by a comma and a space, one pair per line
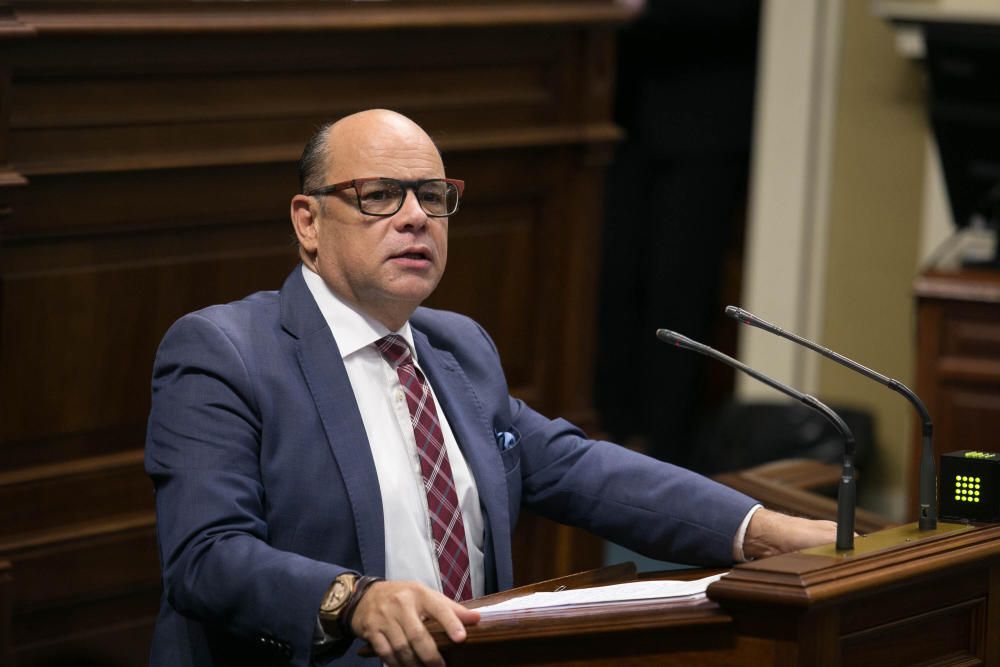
391, 615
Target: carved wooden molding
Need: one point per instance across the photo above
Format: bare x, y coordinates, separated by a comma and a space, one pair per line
81, 533
10, 178
594, 134
113, 18
967, 285
803, 579
11, 25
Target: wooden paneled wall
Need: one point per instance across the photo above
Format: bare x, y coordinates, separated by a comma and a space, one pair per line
958, 364
146, 164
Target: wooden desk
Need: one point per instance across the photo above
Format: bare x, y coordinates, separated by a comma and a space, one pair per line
930, 600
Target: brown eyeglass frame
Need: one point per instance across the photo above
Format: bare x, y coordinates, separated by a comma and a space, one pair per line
406, 185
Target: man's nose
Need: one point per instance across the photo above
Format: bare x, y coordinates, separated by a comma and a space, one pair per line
411, 214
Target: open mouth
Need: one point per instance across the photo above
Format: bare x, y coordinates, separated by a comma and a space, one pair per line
414, 254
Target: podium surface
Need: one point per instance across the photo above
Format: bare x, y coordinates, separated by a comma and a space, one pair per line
899, 598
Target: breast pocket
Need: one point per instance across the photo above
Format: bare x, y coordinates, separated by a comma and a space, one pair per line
511, 458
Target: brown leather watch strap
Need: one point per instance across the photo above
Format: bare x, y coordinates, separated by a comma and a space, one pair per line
360, 587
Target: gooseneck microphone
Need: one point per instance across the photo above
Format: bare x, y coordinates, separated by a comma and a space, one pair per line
847, 491
928, 474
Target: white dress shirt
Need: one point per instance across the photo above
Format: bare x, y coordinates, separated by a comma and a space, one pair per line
409, 548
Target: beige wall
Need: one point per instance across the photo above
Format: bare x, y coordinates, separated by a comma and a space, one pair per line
873, 238
860, 147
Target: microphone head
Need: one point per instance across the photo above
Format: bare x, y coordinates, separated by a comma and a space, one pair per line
737, 313
674, 338
667, 336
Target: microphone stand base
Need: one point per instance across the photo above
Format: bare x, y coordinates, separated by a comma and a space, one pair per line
888, 538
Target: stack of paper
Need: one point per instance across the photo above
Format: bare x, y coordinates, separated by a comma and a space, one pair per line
636, 590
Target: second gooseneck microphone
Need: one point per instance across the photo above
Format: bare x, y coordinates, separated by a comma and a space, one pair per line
927, 518
847, 491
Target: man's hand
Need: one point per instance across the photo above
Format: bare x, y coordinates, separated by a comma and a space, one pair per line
391, 618
771, 533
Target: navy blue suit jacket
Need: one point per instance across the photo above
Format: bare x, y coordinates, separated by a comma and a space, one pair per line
266, 489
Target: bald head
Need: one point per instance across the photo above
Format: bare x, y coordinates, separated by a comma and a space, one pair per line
355, 137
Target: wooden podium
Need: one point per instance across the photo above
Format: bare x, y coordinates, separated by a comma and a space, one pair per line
899, 598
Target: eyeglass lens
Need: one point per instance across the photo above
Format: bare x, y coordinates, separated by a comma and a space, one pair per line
385, 196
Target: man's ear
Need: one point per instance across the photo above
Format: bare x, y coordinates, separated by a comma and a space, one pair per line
304, 222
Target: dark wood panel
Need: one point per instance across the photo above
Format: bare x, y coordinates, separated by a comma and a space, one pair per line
63, 567
6, 603
20, 454
114, 628
974, 335
109, 250
90, 317
992, 627
49, 497
927, 595
275, 51
580, 199
103, 101
498, 257
151, 150
969, 415
216, 120
135, 200
627, 649
492, 271
124, 642
943, 635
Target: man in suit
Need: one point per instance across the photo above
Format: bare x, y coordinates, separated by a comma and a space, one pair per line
333, 463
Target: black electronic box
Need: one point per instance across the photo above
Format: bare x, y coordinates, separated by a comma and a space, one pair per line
970, 486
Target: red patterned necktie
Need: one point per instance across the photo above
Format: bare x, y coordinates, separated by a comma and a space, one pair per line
447, 527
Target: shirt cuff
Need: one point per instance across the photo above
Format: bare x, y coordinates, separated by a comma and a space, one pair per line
741, 534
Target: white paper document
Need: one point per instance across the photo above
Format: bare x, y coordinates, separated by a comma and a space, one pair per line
635, 590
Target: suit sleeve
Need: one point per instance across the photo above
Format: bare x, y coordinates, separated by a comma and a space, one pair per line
202, 452
655, 508
652, 507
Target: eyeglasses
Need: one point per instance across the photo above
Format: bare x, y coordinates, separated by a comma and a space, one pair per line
438, 197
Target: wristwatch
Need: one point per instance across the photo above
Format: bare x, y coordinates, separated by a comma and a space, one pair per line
331, 610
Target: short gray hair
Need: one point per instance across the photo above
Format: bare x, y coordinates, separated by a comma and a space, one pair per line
312, 163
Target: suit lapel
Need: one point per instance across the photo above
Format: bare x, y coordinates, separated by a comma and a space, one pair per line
326, 377
474, 432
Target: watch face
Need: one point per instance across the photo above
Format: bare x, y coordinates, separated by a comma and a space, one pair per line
337, 596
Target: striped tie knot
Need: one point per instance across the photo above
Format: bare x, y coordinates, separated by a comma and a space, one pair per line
393, 349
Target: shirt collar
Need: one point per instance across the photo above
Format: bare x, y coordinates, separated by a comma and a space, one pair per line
353, 329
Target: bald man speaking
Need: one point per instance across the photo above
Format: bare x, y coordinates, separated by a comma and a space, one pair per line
335, 464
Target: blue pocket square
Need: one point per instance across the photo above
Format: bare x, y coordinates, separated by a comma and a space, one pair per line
506, 440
